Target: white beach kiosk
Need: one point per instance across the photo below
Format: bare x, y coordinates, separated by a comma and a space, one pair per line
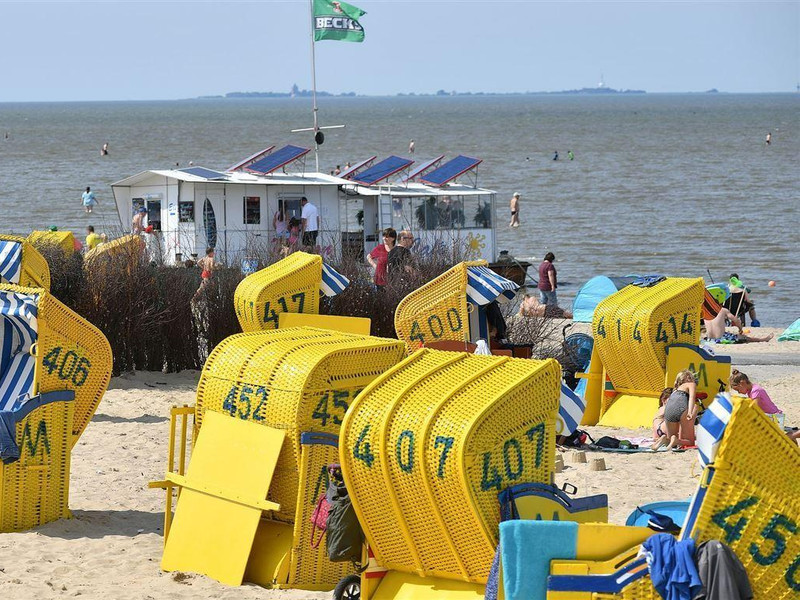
232, 211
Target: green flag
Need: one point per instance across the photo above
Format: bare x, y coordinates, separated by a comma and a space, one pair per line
337, 21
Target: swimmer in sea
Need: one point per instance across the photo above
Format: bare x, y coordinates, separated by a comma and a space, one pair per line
555, 155
514, 210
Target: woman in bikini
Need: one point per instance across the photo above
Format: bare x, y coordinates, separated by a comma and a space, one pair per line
680, 405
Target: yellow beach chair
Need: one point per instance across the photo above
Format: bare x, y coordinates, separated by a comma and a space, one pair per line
632, 330
300, 381
426, 448
294, 284
21, 264
65, 240
130, 245
452, 306
54, 369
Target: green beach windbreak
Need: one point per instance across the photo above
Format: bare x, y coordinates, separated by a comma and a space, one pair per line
337, 21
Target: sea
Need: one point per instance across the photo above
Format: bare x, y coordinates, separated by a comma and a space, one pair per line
674, 184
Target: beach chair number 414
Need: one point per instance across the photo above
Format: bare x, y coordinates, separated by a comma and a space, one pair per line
662, 331
774, 535
69, 366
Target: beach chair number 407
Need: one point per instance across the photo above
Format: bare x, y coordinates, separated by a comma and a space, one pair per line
774, 534
513, 461
69, 366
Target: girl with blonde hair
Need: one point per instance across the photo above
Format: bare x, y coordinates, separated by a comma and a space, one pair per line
680, 405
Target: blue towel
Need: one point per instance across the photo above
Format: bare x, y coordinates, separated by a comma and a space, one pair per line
672, 567
648, 280
526, 548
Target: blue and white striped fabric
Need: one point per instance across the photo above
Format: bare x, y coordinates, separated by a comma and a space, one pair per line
333, 283
484, 286
712, 427
10, 261
18, 331
570, 410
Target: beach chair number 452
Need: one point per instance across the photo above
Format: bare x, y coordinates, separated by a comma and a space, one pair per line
774, 535
68, 366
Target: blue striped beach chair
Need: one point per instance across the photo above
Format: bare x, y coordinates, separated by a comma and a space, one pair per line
21, 263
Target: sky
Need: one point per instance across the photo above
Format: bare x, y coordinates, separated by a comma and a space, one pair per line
150, 50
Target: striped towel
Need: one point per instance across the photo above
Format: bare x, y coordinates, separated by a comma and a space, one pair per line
10, 261
18, 331
570, 410
712, 427
333, 283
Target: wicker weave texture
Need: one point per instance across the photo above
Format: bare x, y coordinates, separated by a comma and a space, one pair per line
35, 271
752, 502
426, 448
290, 285
298, 379
309, 568
127, 245
437, 310
71, 354
633, 327
35, 489
64, 239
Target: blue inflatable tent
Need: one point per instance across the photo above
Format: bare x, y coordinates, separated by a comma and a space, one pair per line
593, 291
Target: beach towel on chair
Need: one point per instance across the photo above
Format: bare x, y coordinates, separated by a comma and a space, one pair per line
526, 549
18, 331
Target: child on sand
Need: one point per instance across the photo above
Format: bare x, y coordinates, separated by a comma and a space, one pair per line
680, 405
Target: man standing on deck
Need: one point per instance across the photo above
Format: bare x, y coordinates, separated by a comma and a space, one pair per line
514, 210
310, 220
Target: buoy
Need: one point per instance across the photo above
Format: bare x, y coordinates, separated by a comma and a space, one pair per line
771, 284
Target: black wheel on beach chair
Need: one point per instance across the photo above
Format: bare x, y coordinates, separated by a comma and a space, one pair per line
348, 588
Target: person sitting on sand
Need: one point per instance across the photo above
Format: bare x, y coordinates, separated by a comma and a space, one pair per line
715, 330
531, 307
659, 428
741, 383
680, 405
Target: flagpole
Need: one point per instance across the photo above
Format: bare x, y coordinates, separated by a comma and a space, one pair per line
314, 85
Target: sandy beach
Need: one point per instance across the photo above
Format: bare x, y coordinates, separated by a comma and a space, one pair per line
111, 548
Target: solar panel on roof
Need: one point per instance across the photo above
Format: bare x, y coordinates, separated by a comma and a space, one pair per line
277, 159
386, 168
419, 169
346, 174
203, 172
251, 159
451, 169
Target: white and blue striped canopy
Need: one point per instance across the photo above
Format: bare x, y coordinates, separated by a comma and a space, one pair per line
10, 261
484, 286
712, 427
570, 410
18, 332
333, 283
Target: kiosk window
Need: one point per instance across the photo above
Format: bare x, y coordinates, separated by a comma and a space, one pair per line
186, 212
252, 210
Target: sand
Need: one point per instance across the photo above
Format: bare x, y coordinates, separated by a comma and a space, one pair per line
111, 548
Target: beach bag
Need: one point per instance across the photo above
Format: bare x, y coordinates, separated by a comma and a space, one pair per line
319, 520
607, 442
576, 439
345, 540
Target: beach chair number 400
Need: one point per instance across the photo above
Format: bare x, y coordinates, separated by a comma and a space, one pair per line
69, 367
513, 461
774, 534
436, 326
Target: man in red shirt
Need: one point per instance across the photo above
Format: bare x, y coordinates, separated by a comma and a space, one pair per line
548, 281
379, 256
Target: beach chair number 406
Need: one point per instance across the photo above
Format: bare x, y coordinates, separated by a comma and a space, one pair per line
69, 366
775, 532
